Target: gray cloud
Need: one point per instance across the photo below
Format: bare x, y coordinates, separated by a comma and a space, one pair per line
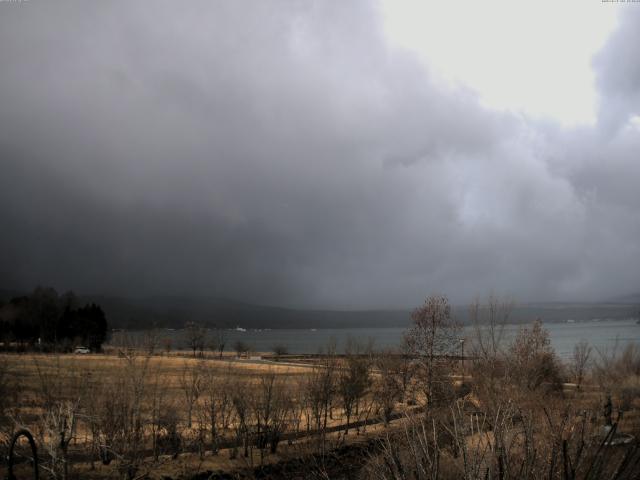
285, 154
618, 72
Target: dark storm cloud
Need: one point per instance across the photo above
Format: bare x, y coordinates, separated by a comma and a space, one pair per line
282, 153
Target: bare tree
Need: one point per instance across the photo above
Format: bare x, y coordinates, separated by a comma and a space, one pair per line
532, 361
151, 340
62, 391
353, 380
191, 382
488, 348
270, 407
58, 428
489, 321
118, 412
617, 372
10, 391
299, 405
320, 391
196, 337
240, 398
168, 431
387, 386
433, 338
218, 341
159, 406
580, 361
241, 348
549, 441
404, 370
217, 403
280, 350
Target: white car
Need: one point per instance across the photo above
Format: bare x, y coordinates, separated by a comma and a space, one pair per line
82, 350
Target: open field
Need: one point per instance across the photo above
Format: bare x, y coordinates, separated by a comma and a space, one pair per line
131, 414
178, 396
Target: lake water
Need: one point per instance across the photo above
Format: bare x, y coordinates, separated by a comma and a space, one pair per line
602, 335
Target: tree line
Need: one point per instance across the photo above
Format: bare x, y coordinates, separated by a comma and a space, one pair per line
50, 321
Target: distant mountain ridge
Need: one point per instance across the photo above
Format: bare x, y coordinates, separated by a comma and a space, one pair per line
175, 311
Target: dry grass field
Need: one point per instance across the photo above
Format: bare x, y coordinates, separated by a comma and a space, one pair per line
515, 412
178, 413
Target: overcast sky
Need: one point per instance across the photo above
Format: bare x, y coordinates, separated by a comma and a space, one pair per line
321, 154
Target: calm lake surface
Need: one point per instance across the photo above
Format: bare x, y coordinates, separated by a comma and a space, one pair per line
602, 335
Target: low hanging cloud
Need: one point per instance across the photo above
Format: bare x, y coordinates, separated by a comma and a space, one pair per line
285, 154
